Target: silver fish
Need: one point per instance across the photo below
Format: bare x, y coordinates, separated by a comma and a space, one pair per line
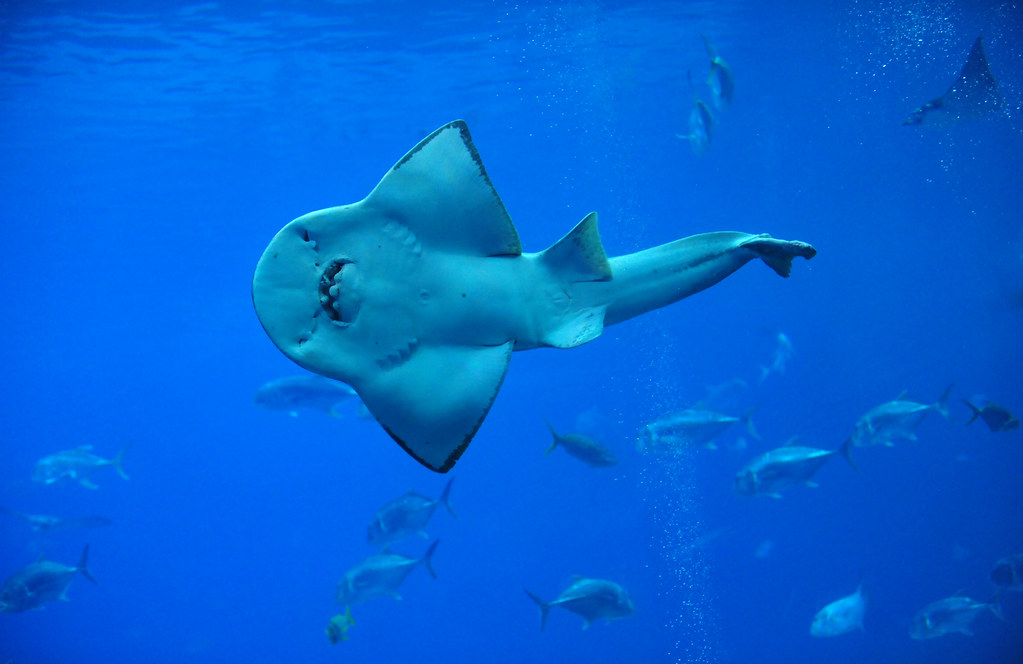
45, 523
720, 79
1008, 573
43, 581
592, 599
76, 465
997, 418
701, 128
841, 616
406, 516
783, 352
584, 448
895, 419
949, 616
293, 393
773, 472
694, 427
380, 575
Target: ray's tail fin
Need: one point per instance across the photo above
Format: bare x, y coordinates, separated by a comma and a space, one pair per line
83, 565
545, 608
778, 254
445, 497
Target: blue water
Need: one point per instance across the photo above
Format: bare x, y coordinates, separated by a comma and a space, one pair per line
151, 151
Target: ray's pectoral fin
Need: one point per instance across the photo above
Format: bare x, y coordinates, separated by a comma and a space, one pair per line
433, 403
973, 95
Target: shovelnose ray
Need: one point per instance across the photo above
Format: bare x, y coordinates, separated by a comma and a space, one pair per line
972, 96
417, 295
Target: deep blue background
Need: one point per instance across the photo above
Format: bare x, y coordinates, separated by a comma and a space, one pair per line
149, 153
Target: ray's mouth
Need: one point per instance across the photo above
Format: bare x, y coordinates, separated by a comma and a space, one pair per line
339, 292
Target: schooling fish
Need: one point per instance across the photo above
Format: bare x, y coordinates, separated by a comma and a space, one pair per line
772, 472
693, 427
44, 523
592, 599
337, 628
43, 581
312, 392
406, 515
949, 616
584, 448
701, 127
896, 419
720, 79
1008, 573
783, 352
76, 465
997, 418
841, 616
380, 575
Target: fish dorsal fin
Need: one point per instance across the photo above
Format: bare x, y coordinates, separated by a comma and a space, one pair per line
792, 442
902, 396
442, 194
433, 403
579, 255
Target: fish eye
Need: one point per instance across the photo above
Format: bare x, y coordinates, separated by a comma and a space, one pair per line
339, 293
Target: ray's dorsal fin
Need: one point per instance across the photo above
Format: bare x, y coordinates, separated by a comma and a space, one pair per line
579, 256
442, 182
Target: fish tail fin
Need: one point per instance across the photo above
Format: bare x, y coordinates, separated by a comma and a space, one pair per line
996, 606
942, 404
976, 412
428, 558
846, 451
545, 608
445, 497
83, 565
747, 421
711, 53
554, 434
118, 460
